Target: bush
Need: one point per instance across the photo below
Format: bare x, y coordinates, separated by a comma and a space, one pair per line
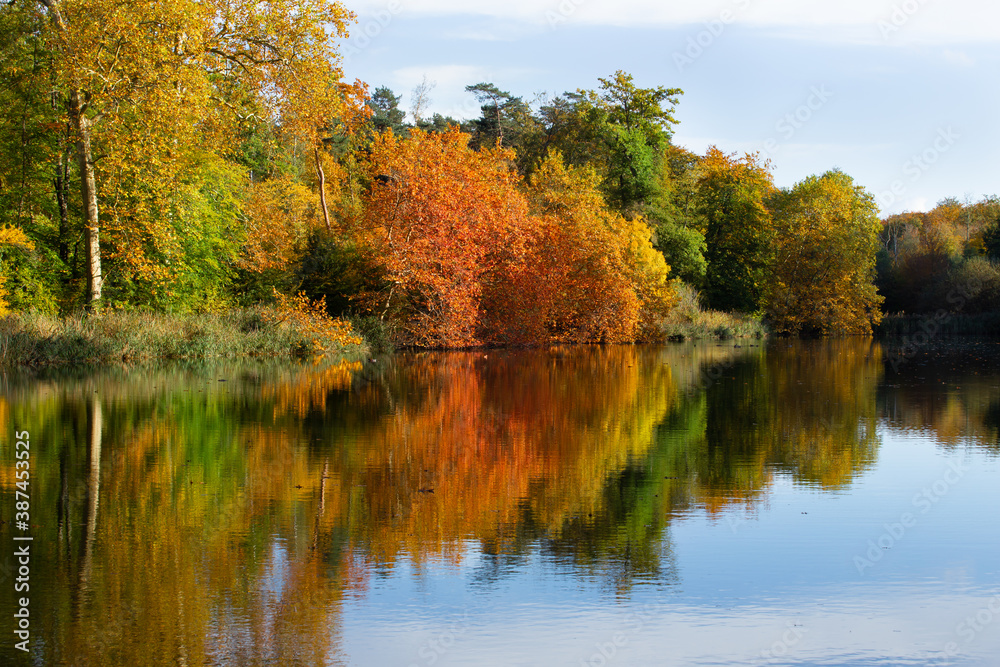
977, 282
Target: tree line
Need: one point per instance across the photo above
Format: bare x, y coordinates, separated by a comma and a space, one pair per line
205, 154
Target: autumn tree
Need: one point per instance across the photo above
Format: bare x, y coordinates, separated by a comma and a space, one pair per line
981, 217
732, 197
468, 263
279, 213
821, 279
678, 221
442, 218
927, 257
140, 84
592, 275
11, 237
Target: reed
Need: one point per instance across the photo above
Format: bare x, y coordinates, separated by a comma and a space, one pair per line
33, 339
688, 320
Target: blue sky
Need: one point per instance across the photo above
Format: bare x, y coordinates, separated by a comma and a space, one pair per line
902, 95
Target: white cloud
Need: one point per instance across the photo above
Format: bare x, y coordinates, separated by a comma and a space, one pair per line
959, 58
916, 205
890, 21
488, 31
476, 35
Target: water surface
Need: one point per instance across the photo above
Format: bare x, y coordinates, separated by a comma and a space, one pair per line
804, 503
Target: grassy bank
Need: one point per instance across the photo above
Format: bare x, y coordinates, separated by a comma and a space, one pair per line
689, 321
28, 339
943, 324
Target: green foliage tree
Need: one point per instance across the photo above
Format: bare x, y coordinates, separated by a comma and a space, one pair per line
732, 196
496, 107
620, 130
683, 248
649, 111
386, 114
634, 125
675, 215
632, 176
35, 168
991, 240
564, 127
440, 123
506, 121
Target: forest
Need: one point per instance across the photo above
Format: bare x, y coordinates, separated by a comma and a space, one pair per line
204, 156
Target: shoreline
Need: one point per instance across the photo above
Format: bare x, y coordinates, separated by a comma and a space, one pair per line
33, 340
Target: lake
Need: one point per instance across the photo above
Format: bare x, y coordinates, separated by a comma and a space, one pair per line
713, 503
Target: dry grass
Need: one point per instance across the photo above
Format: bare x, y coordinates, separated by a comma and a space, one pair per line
30, 339
689, 321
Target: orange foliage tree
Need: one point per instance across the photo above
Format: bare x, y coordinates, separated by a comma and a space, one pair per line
593, 276
443, 218
475, 257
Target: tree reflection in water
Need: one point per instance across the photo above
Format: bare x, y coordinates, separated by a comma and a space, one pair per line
180, 518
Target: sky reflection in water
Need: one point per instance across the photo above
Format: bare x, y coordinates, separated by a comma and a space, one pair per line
787, 503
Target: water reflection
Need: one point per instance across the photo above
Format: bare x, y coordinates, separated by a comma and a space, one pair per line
950, 387
226, 514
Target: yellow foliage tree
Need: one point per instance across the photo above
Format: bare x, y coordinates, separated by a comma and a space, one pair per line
311, 317
278, 216
11, 236
144, 82
823, 269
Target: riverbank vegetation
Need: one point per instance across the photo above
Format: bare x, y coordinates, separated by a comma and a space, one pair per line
208, 158
293, 327
689, 320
